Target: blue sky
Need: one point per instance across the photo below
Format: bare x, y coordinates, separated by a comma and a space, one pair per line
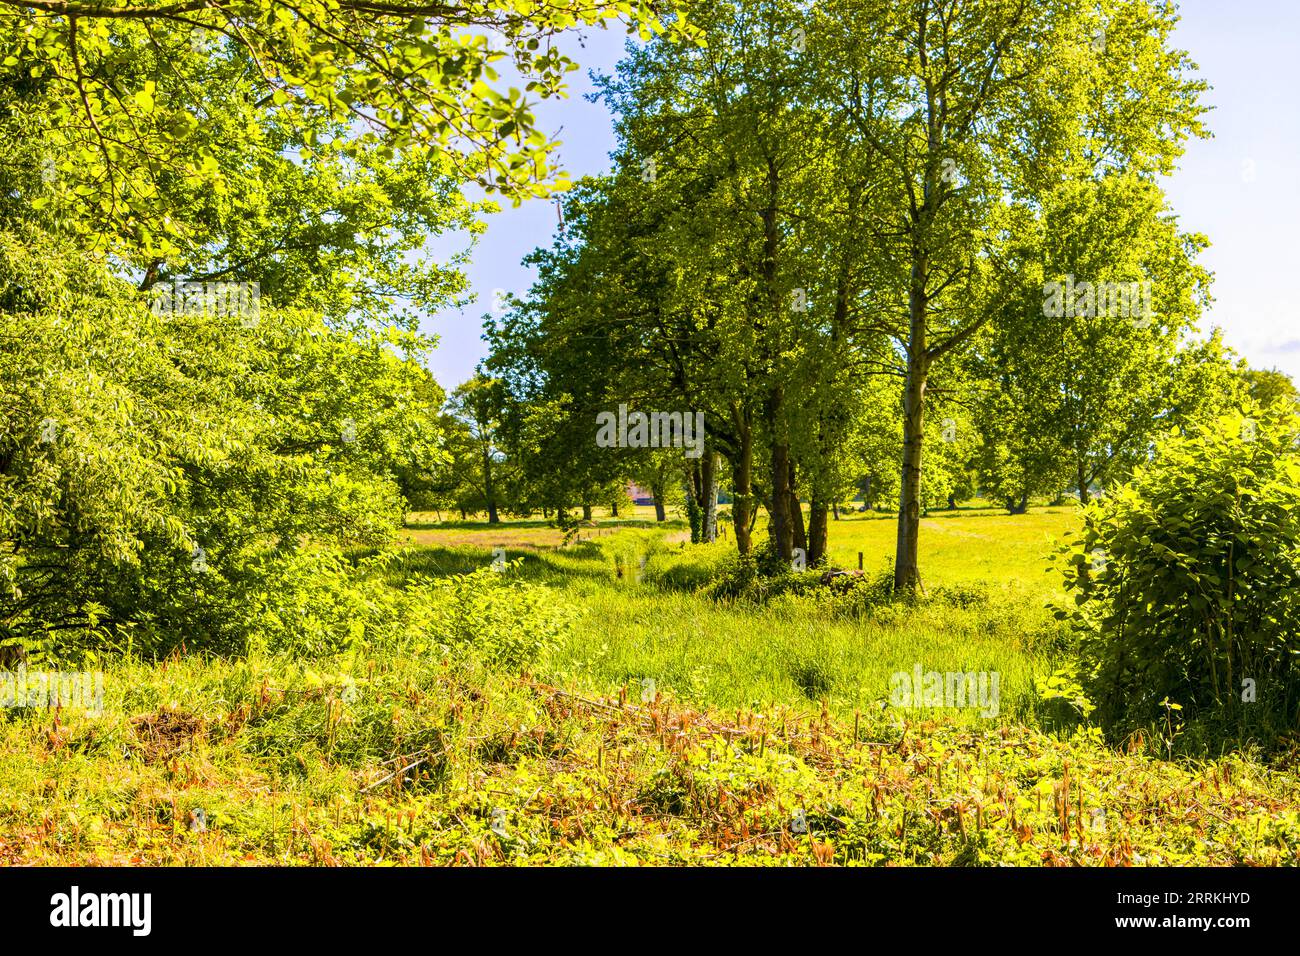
1241, 188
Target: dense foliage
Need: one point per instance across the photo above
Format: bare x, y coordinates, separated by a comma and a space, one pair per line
828, 231
1187, 582
162, 472
179, 473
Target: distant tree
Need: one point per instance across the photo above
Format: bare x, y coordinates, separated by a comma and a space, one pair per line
477, 404
1270, 387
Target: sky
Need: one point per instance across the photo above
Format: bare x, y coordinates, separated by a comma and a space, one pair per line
1241, 188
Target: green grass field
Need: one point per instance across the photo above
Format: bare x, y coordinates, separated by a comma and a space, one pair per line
970, 544
747, 656
664, 728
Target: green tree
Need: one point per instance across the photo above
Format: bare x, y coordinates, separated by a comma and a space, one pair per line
971, 113
1095, 351
477, 404
1269, 387
120, 97
162, 472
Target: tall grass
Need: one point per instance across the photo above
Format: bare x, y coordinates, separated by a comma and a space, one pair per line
415, 745
642, 619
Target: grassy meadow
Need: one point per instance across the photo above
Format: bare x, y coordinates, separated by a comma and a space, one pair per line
647, 623
663, 727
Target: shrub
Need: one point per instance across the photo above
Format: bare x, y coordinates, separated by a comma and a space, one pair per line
1186, 582
505, 622
759, 580
687, 569
161, 472
758, 577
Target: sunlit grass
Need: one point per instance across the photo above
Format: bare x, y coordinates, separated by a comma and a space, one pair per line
666, 729
788, 652
960, 546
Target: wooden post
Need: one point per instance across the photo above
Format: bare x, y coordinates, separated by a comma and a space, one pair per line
859, 560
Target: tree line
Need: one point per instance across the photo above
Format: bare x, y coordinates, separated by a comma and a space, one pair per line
895, 251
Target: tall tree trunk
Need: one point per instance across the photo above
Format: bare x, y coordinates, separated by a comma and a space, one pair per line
798, 538
782, 528
657, 492
709, 481
774, 412
1084, 496
818, 532
586, 512
613, 509
488, 490
907, 569
742, 469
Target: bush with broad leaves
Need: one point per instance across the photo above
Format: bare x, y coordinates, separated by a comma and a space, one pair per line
1186, 582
